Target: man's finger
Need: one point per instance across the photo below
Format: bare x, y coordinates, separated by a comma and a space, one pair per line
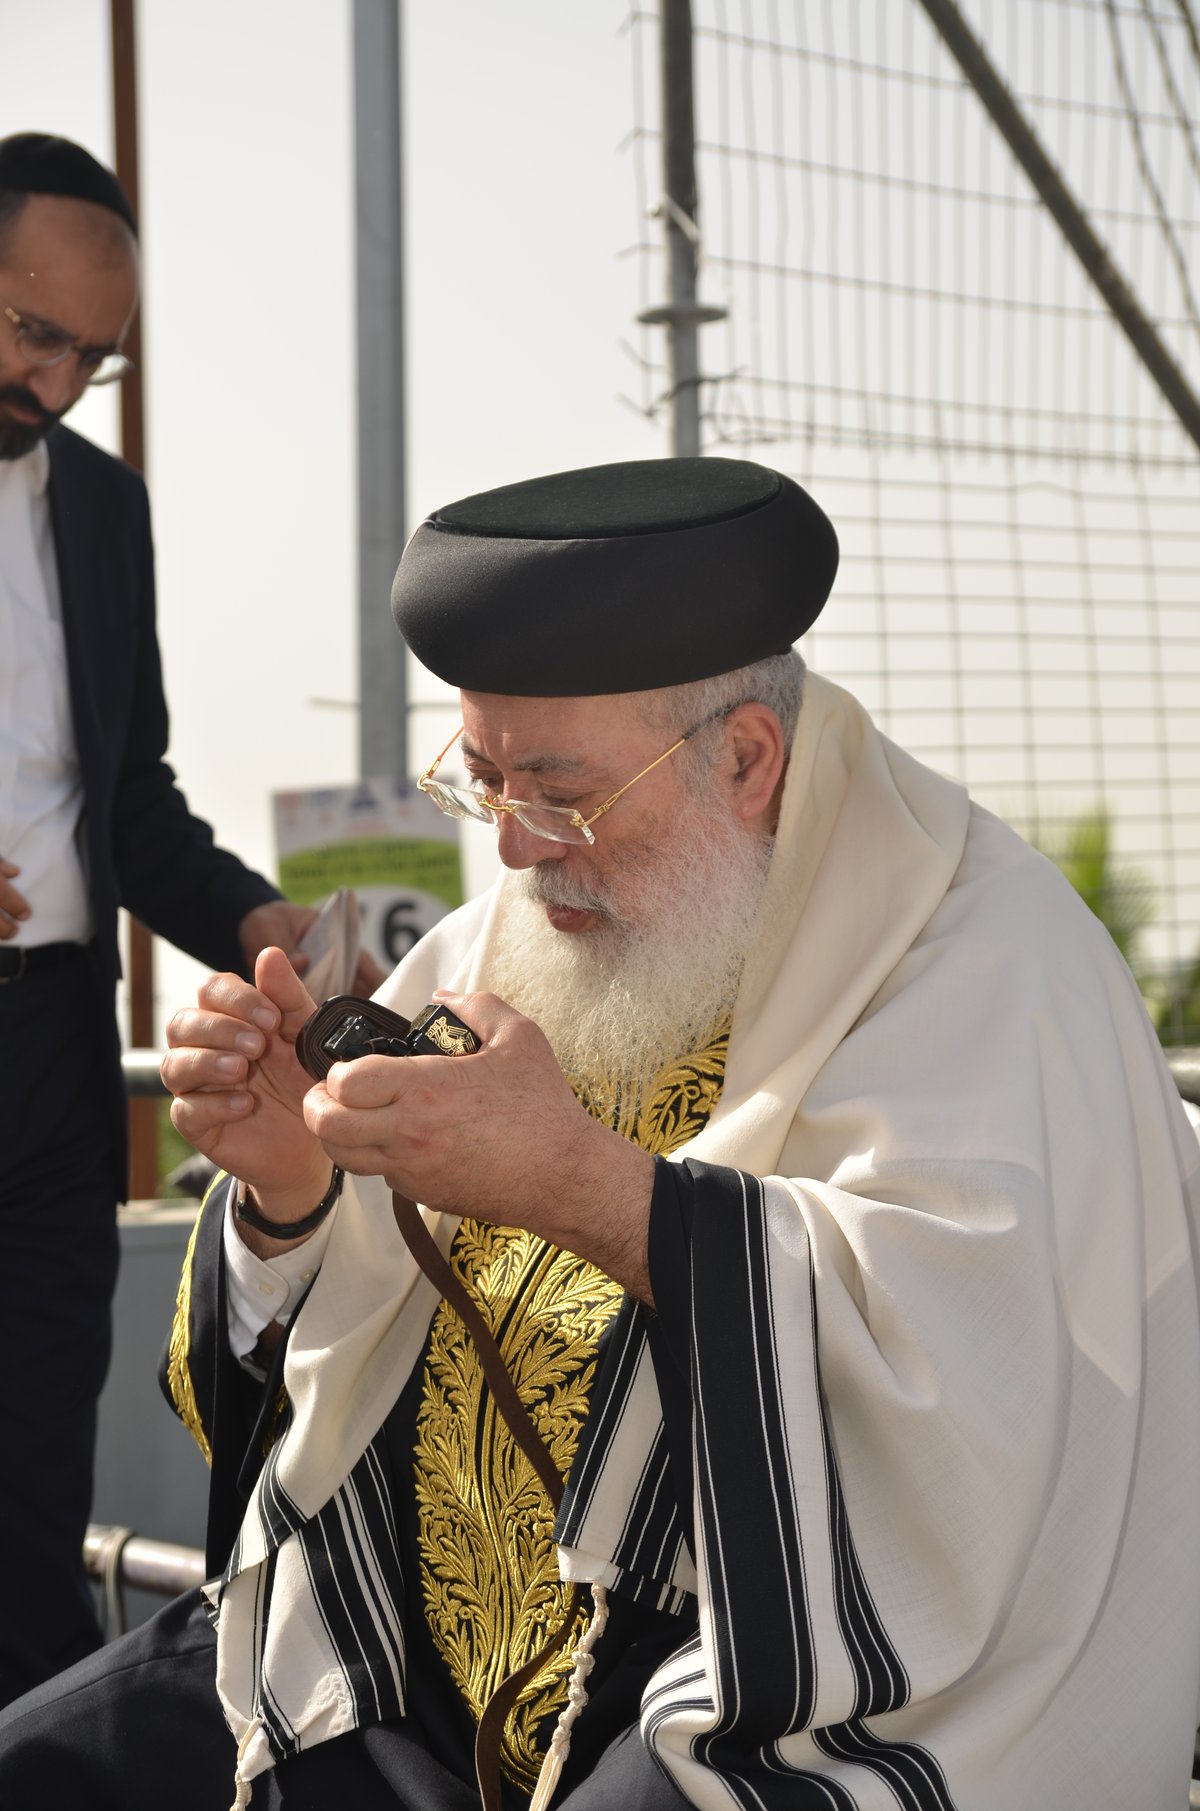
213, 1031
382, 1081
486, 1014
192, 1070
278, 981
13, 902
231, 996
336, 1128
199, 1117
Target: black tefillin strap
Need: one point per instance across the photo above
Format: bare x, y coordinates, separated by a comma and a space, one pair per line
342, 1029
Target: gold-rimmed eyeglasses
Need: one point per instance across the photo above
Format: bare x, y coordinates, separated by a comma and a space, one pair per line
41, 344
560, 823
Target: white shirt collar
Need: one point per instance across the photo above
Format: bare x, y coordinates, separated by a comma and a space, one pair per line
30, 472
39, 468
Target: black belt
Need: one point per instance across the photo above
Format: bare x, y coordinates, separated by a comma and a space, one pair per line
16, 963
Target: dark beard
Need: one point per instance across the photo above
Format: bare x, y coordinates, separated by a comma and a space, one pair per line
20, 437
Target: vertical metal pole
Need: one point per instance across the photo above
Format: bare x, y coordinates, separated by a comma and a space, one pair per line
679, 210
143, 1114
383, 721
125, 134
681, 314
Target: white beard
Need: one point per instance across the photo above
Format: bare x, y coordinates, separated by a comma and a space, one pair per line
659, 976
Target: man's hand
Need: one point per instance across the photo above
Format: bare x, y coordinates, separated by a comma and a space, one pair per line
14, 907
239, 1088
278, 924
498, 1135
281, 924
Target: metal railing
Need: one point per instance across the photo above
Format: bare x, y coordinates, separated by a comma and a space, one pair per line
1185, 1067
142, 1079
117, 1559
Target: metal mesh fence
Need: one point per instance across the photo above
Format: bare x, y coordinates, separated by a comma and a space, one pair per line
911, 336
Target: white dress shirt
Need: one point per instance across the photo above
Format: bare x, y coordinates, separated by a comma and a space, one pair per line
41, 789
258, 1291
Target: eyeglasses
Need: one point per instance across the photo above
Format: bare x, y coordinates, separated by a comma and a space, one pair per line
560, 823
40, 344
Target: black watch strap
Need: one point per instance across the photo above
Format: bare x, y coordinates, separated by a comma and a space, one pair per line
288, 1229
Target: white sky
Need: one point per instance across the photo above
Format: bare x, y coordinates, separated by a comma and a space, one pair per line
519, 203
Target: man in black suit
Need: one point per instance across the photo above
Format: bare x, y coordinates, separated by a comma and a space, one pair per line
90, 819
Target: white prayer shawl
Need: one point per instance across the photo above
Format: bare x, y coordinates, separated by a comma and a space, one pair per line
944, 1356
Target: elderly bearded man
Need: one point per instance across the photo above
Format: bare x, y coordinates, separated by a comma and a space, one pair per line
824, 1191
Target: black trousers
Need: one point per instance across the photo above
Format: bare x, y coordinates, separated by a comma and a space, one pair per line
138, 1727
58, 1268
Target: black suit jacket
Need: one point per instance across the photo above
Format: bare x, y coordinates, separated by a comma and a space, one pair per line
143, 848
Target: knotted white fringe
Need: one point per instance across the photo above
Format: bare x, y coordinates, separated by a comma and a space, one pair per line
244, 1786
560, 1741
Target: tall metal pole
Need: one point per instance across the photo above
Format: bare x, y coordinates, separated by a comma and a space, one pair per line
682, 315
383, 694
1140, 330
143, 1114
679, 209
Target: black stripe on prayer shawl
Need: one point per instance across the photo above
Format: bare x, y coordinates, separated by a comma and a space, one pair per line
376, 1548
771, 1785
651, 1542
765, 1475
880, 1674
278, 1730
762, 1634
660, 1701
795, 1789
610, 1392
235, 1560
766, 1662
811, 1792
379, 1476
277, 1513
354, 1573
910, 1771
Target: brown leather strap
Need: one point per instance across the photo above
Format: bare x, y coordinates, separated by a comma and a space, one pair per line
422, 1245
490, 1733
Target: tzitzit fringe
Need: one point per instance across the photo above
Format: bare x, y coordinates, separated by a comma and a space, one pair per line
244, 1786
560, 1741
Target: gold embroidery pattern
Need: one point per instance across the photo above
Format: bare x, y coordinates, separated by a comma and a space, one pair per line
489, 1577
491, 1589
179, 1374
274, 1428
677, 1107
